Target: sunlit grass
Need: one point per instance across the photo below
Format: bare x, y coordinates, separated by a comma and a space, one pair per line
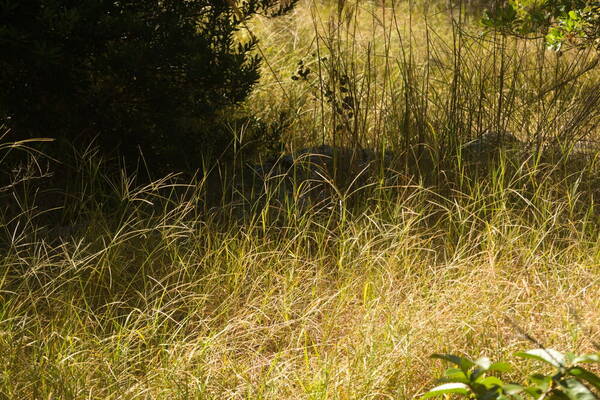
417, 73
171, 302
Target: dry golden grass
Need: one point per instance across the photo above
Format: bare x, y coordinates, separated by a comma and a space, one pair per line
336, 306
417, 73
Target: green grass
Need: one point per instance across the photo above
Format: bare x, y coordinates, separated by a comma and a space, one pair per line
159, 291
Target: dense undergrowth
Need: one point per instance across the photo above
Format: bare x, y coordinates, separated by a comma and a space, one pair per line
161, 295
121, 286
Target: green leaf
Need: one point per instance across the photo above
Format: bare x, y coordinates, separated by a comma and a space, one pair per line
534, 391
543, 382
549, 356
454, 375
500, 367
582, 373
477, 374
447, 388
557, 395
491, 381
463, 363
587, 358
576, 390
504, 397
484, 393
512, 389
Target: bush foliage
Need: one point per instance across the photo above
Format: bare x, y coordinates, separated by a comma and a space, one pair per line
139, 74
568, 381
571, 22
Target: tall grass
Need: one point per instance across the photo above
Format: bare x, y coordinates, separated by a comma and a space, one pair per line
178, 290
163, 297
418, 79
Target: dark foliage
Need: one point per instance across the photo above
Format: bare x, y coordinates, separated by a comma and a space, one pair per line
137, 74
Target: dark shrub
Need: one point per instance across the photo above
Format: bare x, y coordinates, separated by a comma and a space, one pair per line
138, 74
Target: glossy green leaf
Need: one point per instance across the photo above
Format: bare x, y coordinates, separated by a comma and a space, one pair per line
549, 356
484, 393
454, 375
533, 391
448, 388
541, 381
576, 390
582, 373
557, 395
512, 389
491, 381
587, 358
505, 397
